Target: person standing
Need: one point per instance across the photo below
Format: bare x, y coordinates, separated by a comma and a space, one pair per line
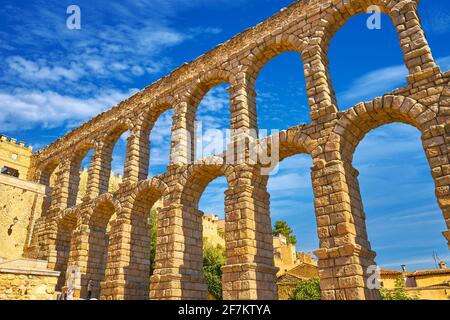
69, 294
90, 287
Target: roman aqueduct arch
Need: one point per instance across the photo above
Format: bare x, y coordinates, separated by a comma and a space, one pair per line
71, 234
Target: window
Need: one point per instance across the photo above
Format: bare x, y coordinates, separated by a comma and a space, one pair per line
410, 282
10, 172
14, 156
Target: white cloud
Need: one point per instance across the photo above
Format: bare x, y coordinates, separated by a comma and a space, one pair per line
378, 82
425, 260
374, 83
213, 120
298, 162
98, 65
161, 131
121, 42
213, 198
207, 30
444, 63
160, 139
395, 138
215, 100
289, 182
112, 54
22, 110
36, 71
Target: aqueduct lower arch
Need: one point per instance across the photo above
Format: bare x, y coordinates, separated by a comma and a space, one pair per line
65, 234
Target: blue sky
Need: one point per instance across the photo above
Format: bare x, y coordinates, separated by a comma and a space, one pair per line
53, 79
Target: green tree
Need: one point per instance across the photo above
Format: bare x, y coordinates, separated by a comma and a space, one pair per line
281, 227
306, 290
213, 260
399, 291
153, 222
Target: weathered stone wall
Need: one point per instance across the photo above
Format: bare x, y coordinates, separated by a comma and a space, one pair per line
285, 254
212, 231
27, 279
27, 286
21, 200
75, 234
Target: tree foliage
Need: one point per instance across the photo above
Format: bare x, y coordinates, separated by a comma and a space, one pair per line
306, 290
153, 222
281, 227
399, 291
213, 260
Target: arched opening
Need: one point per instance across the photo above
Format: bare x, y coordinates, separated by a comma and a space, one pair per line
404, 221
79, 172
110, 153
294, 224
85, 167
118, 157
48, 174
198, 227
100, 223
48, 178
142, 243
212, 204
372, 115
65, 227
212, 121
368, 67
281, 93
160, 139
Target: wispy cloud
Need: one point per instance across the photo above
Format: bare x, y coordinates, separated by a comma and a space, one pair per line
51, 76
444, 63
118, 43
417, 262
374, 83
213, 120
395, 138
22, 110
289, 181
118, 54
160, 143
380, 81
213, 198
38, 70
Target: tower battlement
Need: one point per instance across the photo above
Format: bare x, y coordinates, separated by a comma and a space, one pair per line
13, 142
14, 156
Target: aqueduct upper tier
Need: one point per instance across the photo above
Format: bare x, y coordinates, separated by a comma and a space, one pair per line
115, 252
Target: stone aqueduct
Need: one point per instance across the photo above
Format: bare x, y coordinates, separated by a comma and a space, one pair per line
69, 234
